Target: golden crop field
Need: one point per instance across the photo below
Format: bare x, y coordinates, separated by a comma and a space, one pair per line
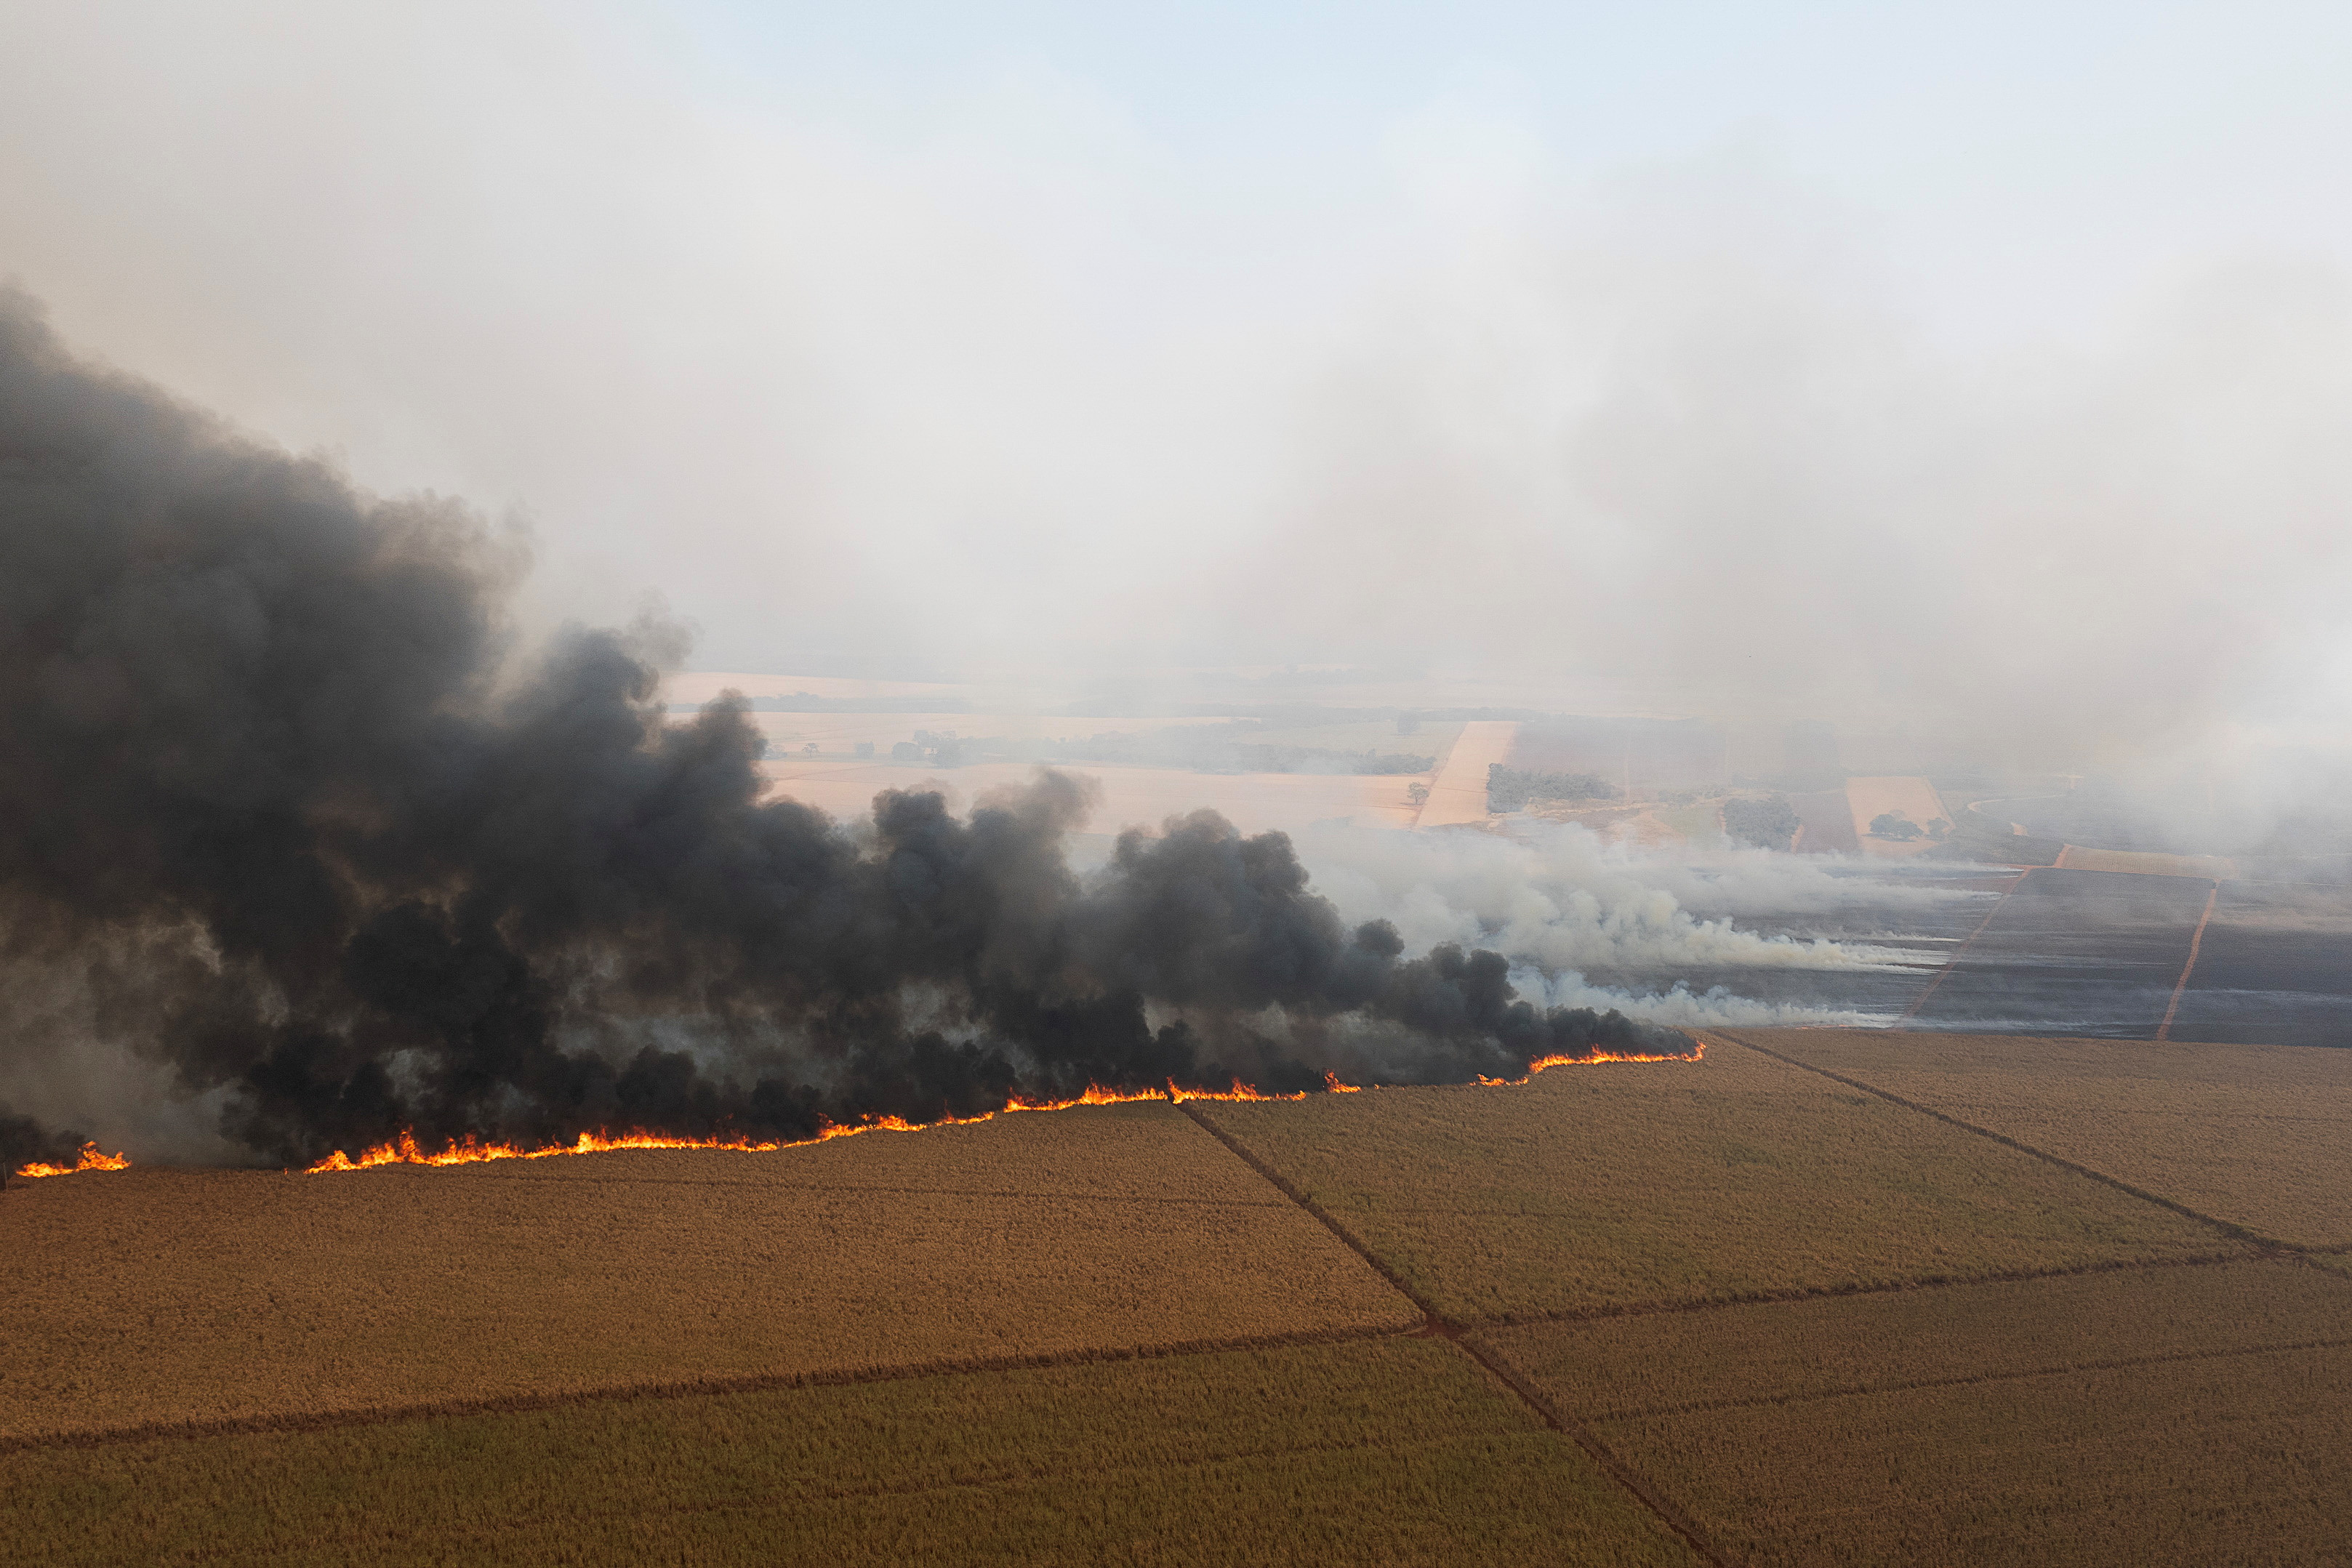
1391, 1451
1604, 1187
1778, 1353
2171, 1415
2228, 1458
1811, 1323
164, 1297
2258, 1136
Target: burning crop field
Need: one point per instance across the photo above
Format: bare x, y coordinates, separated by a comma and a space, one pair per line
530, 1134
1052, 785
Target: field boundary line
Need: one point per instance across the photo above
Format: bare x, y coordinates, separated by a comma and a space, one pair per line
1949, 963
2196, 940
679, 1388
1445, 1328
1867, 1390
1566, 1316
2234, 1232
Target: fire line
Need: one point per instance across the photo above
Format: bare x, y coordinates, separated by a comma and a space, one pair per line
93, 1159
406, 1151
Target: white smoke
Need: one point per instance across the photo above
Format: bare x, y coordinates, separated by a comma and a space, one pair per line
1561, 898
1679, 1007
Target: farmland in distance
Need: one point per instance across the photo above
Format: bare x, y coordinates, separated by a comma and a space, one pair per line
2252, 1134
1601, 1188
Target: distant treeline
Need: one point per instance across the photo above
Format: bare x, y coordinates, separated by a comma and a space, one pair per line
1511, 789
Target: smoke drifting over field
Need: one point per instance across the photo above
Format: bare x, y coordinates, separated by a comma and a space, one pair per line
1566, 905
294, 820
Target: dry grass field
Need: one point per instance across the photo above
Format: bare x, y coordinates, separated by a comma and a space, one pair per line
2258, 1136
161, 1296
1606, 1187
1781, 1352
1392, 1451
1458, 794
2232, 1458
1131, 797
1814, 1324
2142, 862
2197, 1415
1911, 797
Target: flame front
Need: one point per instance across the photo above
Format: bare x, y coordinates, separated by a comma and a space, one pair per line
1698, 1050
93, 1159
469, 1150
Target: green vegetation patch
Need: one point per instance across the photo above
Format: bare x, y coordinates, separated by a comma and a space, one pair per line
2259, 1136
1624, 1185
1373, 1452
2228, 1459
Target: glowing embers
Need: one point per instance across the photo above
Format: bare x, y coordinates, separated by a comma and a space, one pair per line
467, 1151
92, 1160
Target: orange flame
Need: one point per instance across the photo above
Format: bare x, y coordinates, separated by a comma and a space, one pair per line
1698, 1049
469, 1150
92, 1160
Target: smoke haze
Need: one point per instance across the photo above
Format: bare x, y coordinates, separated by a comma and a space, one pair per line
1979, 380
1000, 353
292, 822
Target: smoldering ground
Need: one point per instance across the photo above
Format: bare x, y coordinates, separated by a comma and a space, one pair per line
291, 818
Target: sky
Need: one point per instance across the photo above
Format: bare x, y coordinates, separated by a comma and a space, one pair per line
1985, 367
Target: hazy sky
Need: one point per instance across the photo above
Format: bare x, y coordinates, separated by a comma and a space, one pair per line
1989, 362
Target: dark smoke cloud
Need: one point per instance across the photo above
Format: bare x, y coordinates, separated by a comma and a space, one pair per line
263, 734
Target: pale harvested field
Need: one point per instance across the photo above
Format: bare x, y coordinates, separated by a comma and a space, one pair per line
1386, 1452
837, 732
1600, 1188
154, 1296
2259, 1136
1780, 1353
1912, 796
699, 687
1131, 797
1458, 794
2227, 1458
2141, 862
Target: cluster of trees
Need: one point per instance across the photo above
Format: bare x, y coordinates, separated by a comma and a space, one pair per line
1769, 823
1511, 789
1895, 825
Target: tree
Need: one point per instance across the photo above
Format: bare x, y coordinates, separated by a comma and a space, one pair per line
1892, 825
1769, 824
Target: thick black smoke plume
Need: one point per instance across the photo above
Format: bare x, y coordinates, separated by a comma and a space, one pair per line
279, 800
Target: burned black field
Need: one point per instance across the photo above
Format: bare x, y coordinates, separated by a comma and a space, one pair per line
2063, 952
2074, 952
2274, 966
